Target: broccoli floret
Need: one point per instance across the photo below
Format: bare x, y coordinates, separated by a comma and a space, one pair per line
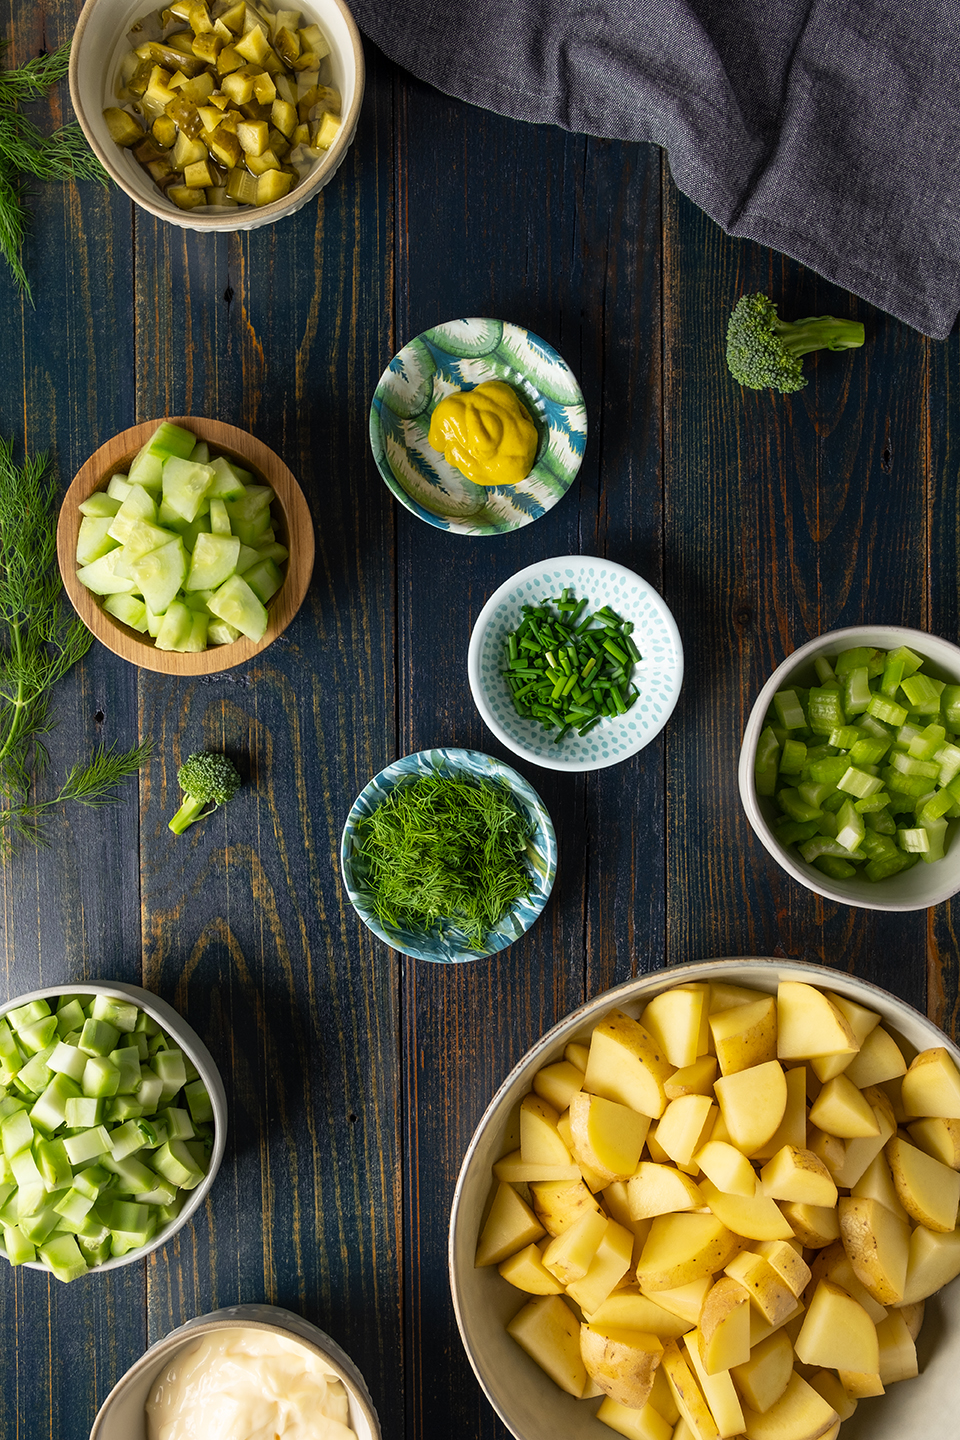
765, 352
208, 780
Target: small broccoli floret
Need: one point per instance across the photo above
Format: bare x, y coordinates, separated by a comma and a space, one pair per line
765, 352
208, 780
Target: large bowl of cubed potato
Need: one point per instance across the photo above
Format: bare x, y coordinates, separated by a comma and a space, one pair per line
218, 114
719, 1200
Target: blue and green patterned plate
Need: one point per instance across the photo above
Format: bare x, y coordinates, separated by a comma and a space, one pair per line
448, 944
458, 356
658, 675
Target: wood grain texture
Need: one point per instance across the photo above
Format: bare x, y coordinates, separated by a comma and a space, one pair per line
355, 1077
291, 520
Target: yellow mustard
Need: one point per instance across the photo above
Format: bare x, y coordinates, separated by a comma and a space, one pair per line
486, 432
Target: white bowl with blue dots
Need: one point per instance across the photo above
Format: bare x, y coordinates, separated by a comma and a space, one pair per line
657, 676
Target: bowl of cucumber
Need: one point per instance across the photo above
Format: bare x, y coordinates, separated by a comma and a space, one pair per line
113, 1123
185, 545
850, 767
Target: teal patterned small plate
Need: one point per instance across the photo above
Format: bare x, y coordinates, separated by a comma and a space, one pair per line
458, 356
657, 676
448, 944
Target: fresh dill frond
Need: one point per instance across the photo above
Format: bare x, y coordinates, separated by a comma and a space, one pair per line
26, 151
40, 640
446, 851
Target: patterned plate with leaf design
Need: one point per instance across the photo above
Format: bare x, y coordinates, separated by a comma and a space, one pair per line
657, 676
458, 356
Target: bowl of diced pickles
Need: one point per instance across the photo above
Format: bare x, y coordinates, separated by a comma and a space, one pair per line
185, 545
850, 767
218, 114
113, 1123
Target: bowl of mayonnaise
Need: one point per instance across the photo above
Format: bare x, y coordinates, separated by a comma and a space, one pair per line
249, 1372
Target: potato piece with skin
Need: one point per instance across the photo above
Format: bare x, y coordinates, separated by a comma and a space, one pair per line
761, 1329
841, 1109
726, 1168
693, 1408
695, 1079
526, 1271
540, 1141
939, 1138
765, 1375
683, 1125
509, 1226
808, 1024
797, 1174
607, 1137
792, 1129
833, 1263
723, 1331
558, 1204
828, 1148
767, 1291
557, 1083
745, 1035
628, 1309
813, 1225
933, 1261
928, 1190
644, 1424
622, 1362
683, 1247
799, 1414
931, 1085
826, 1384
788, 1262
626, 1064
752, 1103
878, 1059
837, 1332
661, 1190
861, 1020
755, 1218
877, 1244
859, 1384
568, 1256
677, 1020
547, 1329
718, 1390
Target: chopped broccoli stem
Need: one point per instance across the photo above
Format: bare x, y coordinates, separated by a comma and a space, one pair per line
764, 352
189, 811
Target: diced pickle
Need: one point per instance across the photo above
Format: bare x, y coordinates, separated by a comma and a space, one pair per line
185, 197
124, 128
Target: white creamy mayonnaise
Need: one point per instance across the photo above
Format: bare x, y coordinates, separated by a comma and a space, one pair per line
246, 1384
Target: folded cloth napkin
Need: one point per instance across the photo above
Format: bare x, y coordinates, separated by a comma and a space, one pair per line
826, 129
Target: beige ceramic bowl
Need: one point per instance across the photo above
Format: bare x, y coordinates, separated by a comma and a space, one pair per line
292, 522
527, 1401
122, 1415
99, 44
913, 889
191, 1044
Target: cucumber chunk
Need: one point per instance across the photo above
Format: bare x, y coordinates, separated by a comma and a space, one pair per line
237, 604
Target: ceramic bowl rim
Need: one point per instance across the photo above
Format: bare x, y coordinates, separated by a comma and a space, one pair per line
829, 642
478, 638
174, 1023
519, 787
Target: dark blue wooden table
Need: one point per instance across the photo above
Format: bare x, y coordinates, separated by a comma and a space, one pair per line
355, 1076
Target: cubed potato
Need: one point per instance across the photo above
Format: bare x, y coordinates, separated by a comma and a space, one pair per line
939, 1138
745, 1035
813, 1225
510, 1225
841, 1109
622, 1362
717, 1389
660, 1190
644, 1424
931, 1086
568, 1256
607, 1268
787, 1260
686, 1301
933, 1260
683, 1247
860, 1384
547, 1329
797, 1174
792, 1129
754, 1217
540, 1141
558, 1083
685, 1125
723, 1332
607, 1137
768, 1292
558, 1204
928, 1190
626, 1064
799, 1414
877, 1244
898, 1353
727, 1168
677, 1020
834, 1264
687, 1393
527, 1271
695, 1079
765, 1375
516, 1171
809, 1025
825, 1383
837, 1332
858, 1154
628, 1309
752, 1103
878, 1059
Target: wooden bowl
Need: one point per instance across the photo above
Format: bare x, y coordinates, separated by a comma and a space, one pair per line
292, 522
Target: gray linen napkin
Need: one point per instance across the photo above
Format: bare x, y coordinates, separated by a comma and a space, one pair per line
826, 129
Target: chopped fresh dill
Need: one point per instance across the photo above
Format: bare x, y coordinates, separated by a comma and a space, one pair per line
446, 850
39, 643
26, 151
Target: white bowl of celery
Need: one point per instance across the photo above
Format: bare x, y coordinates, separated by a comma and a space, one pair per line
850, 767
113, 1122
